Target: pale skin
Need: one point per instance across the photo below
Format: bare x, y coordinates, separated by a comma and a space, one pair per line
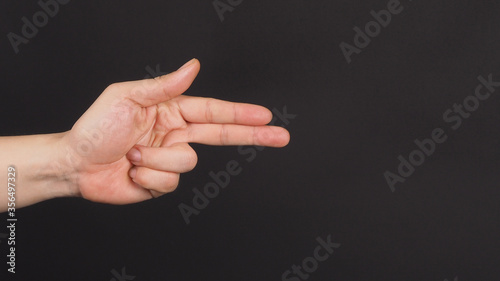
132, 144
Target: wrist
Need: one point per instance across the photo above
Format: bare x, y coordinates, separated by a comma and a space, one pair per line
50, 173
42, 169
60, 174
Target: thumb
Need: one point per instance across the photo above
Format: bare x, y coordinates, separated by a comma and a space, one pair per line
149, 92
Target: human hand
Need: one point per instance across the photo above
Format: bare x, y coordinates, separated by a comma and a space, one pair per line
132, 143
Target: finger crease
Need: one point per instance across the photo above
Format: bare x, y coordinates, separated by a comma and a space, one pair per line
223, 135
234, 113
254, 136
208, 111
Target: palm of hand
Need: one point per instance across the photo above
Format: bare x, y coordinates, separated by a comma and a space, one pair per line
104, 175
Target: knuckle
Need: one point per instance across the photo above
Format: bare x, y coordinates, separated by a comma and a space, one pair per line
172, 183
189, 156
139, 177
112, 87
191, 159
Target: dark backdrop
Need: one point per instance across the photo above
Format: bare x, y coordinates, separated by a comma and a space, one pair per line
350, 123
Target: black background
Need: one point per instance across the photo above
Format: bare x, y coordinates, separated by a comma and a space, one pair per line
352, 121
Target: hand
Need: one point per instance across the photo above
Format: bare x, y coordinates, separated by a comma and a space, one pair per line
132, 143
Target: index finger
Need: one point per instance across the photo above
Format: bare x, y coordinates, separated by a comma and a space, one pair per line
229, 134
209, 110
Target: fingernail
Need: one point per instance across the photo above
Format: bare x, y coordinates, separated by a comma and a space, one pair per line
133, 172
134, 155
186, 64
